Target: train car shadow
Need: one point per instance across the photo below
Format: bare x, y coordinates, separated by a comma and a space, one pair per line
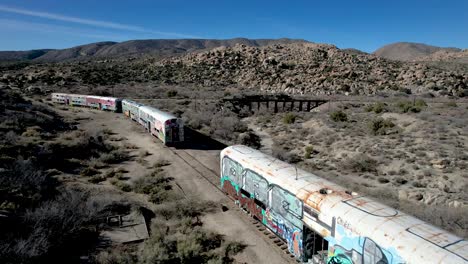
196, 140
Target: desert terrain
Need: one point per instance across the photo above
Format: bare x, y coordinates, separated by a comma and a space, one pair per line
395, 127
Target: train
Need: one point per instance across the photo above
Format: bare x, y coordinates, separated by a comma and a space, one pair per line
323, 222
162, 125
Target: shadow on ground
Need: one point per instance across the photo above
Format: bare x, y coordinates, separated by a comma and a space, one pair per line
196, 140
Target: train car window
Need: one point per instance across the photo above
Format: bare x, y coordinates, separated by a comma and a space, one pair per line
312, 213
232, 170
372, 253
286, 204
245, 193
256, 185
260, 204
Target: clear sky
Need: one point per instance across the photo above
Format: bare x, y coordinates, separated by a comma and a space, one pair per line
365, 25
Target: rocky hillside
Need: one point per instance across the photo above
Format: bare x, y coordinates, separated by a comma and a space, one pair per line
298, 68
407, 51
154, 47
307, 68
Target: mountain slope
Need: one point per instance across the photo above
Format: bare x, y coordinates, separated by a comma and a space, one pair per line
154, 47
22, 55
407, 51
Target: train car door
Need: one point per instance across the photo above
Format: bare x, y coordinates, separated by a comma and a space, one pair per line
100, 106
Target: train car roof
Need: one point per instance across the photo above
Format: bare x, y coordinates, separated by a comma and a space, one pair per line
132, 102
103, 97
158, 114
415, 240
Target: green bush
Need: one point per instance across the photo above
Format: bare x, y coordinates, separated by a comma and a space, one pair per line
420, 103
381, 126
339, 116
115, 156
171, 93
308, 152
415, 107
97, 179
289, 118
376, 108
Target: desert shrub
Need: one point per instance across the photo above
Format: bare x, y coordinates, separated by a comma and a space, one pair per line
289, 118
227, 126
115, 156
377, 108
89, 171
97, 179
284, 155
171, 93
339, 116
250, 139
408, 106
234, 247
361, 163
123, 186
157, 187
420, 103
381, 126
144, 153
116, 256
383, 180
161, 163
57, 231
24, 183
308, 152
451, 104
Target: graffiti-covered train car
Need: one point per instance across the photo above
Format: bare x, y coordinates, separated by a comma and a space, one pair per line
104, 103
131, 109
325, 223
168, 128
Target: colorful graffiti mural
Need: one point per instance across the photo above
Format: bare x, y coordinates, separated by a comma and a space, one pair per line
348, 248
276, 208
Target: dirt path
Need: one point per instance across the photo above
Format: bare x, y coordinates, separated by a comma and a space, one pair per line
233, 223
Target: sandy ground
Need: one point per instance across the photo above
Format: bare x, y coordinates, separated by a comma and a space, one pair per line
231, 223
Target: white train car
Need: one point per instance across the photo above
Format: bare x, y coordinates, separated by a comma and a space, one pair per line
168, 128
325, 223
104, 103
60, 98
131, 109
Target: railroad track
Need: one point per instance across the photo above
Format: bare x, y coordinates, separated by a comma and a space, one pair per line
212, 177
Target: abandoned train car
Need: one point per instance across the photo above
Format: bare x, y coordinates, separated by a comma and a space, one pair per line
131, 109
168, 128
325, 223
104, 103
98, 102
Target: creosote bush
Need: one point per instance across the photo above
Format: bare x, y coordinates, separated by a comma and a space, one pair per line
415, 107
377, 108
361, 163
381, 126
339, 116
308, 152
289, 118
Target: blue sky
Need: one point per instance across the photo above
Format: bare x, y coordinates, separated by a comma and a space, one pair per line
365, 25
